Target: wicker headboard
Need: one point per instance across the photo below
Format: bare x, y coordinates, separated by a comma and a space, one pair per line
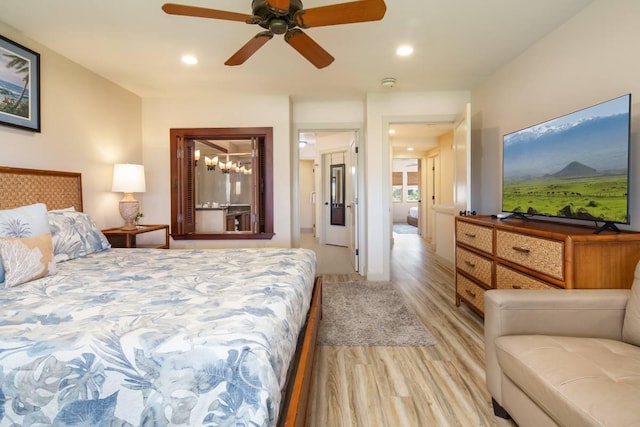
58, 190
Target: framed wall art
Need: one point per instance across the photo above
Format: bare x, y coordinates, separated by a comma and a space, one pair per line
19, 86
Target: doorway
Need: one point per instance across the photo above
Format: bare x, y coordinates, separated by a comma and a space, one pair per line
414, 176
327, 182
334, 199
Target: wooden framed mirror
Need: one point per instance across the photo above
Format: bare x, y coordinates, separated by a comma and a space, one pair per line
221, 183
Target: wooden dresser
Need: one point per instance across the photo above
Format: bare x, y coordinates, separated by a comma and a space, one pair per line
532, 254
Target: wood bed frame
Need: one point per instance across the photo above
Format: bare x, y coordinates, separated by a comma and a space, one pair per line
59, 190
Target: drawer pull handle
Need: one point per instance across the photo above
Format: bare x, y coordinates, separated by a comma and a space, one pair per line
472, 294
470, 264
470, 235
516, 286
521, 250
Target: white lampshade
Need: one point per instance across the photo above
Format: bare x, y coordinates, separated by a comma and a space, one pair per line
128, 178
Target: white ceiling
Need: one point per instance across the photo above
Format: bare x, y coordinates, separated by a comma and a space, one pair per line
458, 43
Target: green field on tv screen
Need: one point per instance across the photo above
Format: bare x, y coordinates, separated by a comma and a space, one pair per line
600, 198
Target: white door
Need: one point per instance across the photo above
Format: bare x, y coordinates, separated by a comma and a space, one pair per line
334, 184
462, 161
352, 207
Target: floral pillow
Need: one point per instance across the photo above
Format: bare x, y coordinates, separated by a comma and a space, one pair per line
25, 221
26, 258
74, 235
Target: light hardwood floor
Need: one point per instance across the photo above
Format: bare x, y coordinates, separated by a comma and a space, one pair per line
440, 385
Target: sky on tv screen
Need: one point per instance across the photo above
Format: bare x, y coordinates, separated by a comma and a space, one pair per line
596, 137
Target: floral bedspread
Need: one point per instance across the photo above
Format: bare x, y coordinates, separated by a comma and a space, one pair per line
153, 337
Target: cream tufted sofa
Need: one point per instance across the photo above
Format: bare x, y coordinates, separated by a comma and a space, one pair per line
567, 357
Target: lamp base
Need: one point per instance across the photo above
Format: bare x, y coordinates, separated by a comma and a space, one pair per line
128, 212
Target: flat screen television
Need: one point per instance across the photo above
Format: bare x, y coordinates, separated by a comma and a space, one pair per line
575, 166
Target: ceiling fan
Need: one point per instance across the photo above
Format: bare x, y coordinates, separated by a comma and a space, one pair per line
288, 17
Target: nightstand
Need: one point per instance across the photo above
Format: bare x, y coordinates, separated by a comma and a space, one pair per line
120, 238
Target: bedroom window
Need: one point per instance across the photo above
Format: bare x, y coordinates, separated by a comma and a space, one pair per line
396, 187
413, 193
221, 183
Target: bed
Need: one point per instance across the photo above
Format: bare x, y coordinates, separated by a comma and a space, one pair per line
153, 336
412, 216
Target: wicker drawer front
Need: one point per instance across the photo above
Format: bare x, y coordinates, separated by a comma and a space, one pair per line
507, 278
475, 235
472, 293
474, 265
543, 255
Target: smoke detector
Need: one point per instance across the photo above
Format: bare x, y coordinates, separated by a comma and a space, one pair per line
388, 82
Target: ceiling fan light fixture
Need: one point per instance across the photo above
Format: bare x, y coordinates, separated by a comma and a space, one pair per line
288, 17
278, 26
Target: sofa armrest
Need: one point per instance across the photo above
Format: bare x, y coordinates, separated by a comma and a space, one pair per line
585, 313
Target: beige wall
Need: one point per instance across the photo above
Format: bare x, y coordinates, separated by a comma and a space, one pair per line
442, 212
591, 58
445, 148
160, 115
88, 124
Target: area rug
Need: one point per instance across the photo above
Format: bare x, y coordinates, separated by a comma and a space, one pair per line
404, 229
368, 314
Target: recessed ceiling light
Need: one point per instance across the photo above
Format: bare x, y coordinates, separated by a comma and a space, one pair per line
405, 50
392, 131
189, 59
409, 148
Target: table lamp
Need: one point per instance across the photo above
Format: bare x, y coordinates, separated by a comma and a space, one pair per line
128, 179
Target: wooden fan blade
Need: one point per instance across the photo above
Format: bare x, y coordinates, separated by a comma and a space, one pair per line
249, 48
308, 48
279, 5
343, 13
203, 12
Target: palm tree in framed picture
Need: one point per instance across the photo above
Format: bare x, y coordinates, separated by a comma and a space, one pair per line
21, 66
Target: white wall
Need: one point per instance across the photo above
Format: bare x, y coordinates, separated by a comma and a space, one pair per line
591, 58
307, 207
160, 115
88, 124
